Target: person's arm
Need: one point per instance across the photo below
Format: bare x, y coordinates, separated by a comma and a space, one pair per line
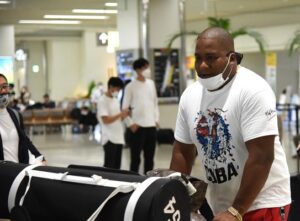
156, 110
110, 119
21, 121
31, 147
183, 157
126, 104
25, 140
255, 174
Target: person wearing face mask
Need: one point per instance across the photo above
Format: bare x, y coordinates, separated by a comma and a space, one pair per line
140, 95
229, 118
110, 116
15, 146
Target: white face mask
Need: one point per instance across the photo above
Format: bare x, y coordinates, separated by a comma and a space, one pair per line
84, 112
217, 81
4, 100
147, 73
115, 94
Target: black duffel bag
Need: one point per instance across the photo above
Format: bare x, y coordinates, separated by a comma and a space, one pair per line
30, 193
165, 136
295, 192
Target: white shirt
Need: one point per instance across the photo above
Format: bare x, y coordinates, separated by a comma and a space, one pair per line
9, 136
142, 98
219, 123
113, 132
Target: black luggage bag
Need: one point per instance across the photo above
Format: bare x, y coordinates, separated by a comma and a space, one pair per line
295, 184
295, 192
165, 136
61, 194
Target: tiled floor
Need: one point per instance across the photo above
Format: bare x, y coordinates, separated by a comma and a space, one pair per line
62, 150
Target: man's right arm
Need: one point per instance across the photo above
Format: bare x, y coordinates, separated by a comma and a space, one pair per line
112, 118
127, 104
183, 157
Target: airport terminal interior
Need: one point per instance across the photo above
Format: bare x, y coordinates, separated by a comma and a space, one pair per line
68, 49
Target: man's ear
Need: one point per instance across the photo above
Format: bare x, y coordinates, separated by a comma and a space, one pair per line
233, 57
239, 57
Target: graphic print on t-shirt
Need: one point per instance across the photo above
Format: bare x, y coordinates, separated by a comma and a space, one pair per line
213, 134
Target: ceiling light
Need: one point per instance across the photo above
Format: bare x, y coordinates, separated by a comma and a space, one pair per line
95, 17
111, 4
95, 11
21, 55
35, 68
5, 2
59, 22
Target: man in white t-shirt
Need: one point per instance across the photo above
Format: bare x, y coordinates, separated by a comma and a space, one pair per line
229, 118
140, 96
110, 115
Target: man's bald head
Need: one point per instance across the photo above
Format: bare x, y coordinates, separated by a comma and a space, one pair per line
223, 37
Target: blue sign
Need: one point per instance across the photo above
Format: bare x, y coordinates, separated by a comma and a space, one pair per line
7, 68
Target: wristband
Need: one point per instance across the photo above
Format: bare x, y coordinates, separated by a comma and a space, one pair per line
235, 213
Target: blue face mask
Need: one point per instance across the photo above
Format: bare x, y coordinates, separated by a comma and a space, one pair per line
4, 100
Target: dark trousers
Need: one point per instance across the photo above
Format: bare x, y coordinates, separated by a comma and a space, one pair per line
144, 139
112, 155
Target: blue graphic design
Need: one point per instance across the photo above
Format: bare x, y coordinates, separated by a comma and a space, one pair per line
213, 134
216, 148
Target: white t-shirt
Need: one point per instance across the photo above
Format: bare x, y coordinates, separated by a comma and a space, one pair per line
113, 132
9, 136
142, 98
219, 123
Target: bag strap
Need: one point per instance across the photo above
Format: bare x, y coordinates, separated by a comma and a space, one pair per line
120, 186
15, 185
131, 204
119, 189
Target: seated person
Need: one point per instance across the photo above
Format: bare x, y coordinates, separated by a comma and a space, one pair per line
47, 102
87, 119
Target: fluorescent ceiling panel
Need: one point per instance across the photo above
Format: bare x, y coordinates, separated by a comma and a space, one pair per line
95, 11
59, 22
111, 4
5, 2
88, 17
